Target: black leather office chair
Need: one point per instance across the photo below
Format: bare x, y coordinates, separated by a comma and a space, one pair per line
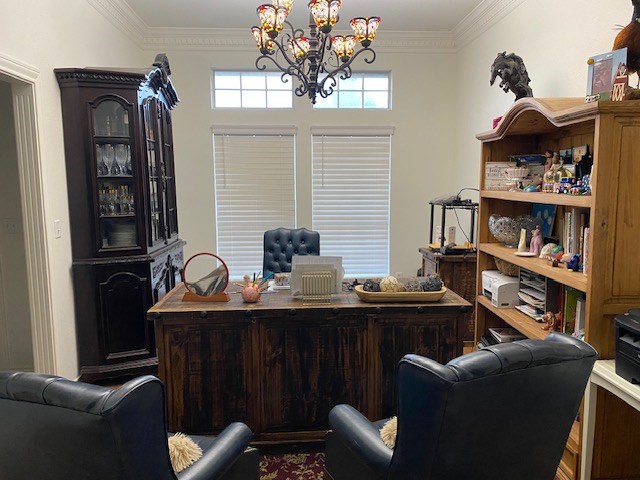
502, 413
283, 243
56, 429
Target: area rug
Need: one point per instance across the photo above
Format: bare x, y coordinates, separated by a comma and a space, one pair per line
298, 466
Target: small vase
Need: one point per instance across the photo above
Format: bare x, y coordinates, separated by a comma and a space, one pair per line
250, 294
522, 245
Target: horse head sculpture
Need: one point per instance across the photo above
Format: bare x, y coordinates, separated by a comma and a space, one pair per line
510, 68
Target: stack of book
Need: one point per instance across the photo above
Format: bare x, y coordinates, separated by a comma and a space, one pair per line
499, 335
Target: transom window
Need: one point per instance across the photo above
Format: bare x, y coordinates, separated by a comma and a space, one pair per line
362, 90
251, 90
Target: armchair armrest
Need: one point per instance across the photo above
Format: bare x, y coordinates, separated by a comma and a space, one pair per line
361, 436
220, 454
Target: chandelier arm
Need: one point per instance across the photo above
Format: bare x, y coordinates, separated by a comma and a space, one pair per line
325, 46
295, 32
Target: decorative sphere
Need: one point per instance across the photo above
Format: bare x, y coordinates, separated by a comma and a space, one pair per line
432, 283
250, 294
412, 285
390, 284
371, 286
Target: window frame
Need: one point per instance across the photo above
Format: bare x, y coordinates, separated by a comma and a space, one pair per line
241, 90
337, 90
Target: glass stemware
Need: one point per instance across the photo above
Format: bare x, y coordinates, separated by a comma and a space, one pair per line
103, 168
128, 167
121, 158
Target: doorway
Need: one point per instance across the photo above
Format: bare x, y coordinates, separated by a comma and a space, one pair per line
16, 350
26, 342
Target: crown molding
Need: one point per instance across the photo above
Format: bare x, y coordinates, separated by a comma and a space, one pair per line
17, 69
120, 14
481, 19
240, 39
123, 17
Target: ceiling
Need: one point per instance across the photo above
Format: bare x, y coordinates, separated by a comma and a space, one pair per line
400, 15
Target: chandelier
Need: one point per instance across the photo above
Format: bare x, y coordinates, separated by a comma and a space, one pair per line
315, 60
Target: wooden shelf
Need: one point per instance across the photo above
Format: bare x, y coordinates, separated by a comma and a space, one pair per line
518, 320
543, 267
582, 201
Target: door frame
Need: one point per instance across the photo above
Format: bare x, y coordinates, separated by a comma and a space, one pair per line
22, 78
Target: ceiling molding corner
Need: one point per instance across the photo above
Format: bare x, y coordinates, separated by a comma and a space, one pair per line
481, 19
123, 17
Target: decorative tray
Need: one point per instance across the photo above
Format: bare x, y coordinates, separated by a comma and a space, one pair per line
386, 297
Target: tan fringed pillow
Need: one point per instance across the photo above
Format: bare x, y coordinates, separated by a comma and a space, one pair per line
183, 452
388, 432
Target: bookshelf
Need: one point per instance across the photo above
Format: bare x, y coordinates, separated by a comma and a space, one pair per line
612, 283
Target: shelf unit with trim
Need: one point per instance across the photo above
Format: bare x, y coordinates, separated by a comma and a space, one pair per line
612, 282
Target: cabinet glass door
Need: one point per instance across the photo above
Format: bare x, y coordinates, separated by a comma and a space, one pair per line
155, 171
169, 171
115, 175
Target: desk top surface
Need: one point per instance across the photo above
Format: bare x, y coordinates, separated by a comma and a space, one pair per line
172, 302
604, 375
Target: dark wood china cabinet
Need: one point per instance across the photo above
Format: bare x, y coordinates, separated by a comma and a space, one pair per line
122, 204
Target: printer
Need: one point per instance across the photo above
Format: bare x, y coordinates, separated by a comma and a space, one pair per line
628, 345
501, 289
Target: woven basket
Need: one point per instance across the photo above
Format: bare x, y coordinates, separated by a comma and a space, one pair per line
506, 267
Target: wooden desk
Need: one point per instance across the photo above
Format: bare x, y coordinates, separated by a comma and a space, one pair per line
610, 437
280, 366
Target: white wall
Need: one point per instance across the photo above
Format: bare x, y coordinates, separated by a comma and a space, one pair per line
555, 39
16, 352
422, 145
46, 35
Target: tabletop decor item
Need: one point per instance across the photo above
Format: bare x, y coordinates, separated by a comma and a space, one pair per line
392, 297
513, 74
506, 229
210, 287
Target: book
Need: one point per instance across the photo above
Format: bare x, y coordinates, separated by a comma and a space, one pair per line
578, 330
530, 311
571, 297
585, 247
505, 335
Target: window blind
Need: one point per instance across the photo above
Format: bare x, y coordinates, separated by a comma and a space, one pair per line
351, 194
254, 191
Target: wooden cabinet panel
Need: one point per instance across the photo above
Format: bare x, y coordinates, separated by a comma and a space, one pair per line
310, 365
209, 379
433, 337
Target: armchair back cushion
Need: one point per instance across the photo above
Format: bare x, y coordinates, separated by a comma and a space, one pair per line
501, 413
506, 410
58, 429
281, 244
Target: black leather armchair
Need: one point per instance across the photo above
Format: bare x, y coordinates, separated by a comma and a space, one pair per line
57, 429
283, 243
502, 413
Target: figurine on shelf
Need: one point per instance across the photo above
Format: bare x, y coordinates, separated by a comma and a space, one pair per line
536, 241
574, 263
553, 321
522, 244
545, 252
547, 165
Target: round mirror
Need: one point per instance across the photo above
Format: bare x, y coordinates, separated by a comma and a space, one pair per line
206, 277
